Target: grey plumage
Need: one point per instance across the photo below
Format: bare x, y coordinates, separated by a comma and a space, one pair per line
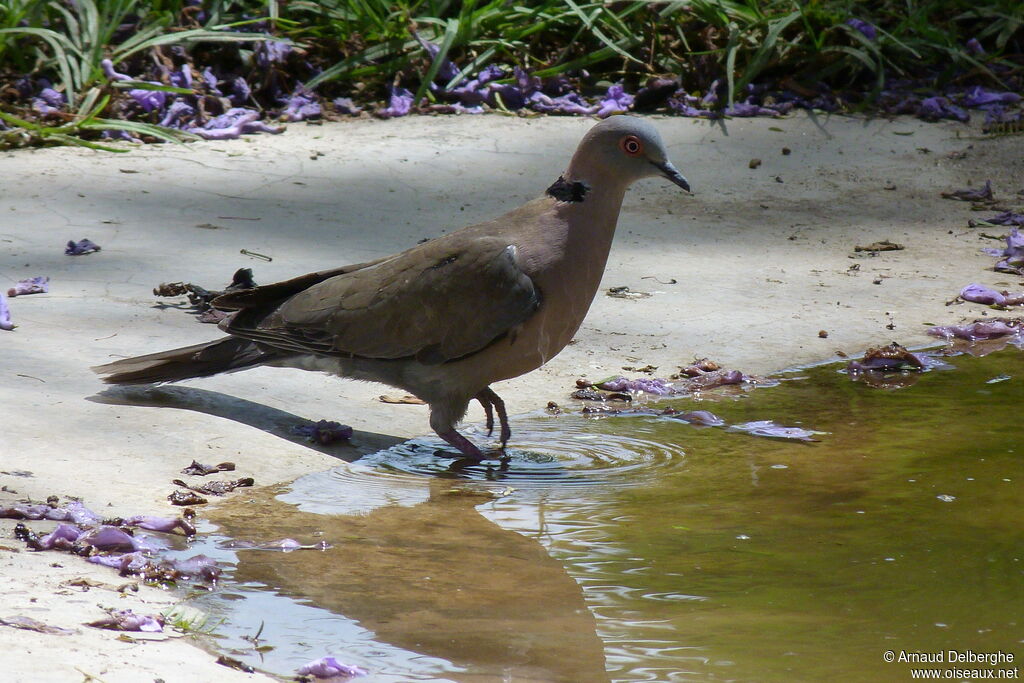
446, 318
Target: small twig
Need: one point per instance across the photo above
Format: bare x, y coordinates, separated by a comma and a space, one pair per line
246, 252
89, 677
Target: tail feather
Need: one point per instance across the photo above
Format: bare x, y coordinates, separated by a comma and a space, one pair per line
200, 360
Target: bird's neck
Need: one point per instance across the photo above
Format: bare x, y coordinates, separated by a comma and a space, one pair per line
592, 220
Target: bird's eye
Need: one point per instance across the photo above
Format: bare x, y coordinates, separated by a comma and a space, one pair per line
631, 145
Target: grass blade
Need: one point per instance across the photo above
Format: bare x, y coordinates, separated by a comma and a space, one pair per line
451, 30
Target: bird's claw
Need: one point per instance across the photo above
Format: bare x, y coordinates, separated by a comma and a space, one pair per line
492, 403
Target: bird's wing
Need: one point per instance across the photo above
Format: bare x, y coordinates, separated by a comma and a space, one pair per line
437, 302
271, 294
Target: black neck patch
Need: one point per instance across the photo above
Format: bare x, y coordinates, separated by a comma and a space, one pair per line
564, 191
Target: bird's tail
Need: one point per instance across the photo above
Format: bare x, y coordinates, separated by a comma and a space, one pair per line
201, 360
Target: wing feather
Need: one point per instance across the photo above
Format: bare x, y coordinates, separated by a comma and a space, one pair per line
442, 300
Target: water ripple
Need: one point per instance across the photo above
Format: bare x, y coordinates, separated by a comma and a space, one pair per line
562, 451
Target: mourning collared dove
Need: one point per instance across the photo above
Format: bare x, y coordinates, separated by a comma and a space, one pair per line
449, 317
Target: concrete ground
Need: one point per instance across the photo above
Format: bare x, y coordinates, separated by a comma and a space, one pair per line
747, 271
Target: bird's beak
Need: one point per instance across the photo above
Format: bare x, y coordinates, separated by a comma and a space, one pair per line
671, 173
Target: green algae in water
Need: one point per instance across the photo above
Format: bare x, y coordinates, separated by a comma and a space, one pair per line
684, 554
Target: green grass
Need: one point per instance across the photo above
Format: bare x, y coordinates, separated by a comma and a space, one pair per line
361, 46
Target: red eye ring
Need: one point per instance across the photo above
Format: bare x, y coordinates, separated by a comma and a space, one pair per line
631, 145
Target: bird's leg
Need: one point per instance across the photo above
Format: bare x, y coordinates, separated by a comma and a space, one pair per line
489, 412
464, 445
488, 399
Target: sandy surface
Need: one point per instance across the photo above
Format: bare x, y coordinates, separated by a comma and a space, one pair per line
746, 271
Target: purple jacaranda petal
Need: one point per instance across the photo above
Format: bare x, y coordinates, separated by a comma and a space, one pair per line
505, 96
527, 82
980, 294
477, 90
648, 385
118, 562
1012, 260
176, 113
399, 103
42, 108
974, 47
491, 72
979, 330
270, 52
697, 417
716, 378
301, 105
164, 524
198, 567
980, 194
345, 105
182, 78
211, 81
1014, 240
52, 97
240, 91
515, 96
73, 512
979, 97
713, 94
24, 510
232, 124
1007, 218
32, 285
570, 103
690, 105
936, 108
127, 620
48, 101
61, 537
76, 512
324, 431
83, 246
111, 74
745, 109
329, 667
148, 99
118, 135
615, 101
110, 538
454, 108
446, 71
772, 430
866, 28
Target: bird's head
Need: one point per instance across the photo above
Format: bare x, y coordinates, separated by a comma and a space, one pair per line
625, 148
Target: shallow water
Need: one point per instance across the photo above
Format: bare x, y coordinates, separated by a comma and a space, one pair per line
640, 548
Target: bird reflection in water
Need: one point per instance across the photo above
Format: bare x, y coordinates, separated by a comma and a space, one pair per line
434, 577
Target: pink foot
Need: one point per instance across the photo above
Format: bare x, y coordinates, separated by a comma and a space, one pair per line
464, 445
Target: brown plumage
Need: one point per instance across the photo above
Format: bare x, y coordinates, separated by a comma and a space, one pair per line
446, 318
